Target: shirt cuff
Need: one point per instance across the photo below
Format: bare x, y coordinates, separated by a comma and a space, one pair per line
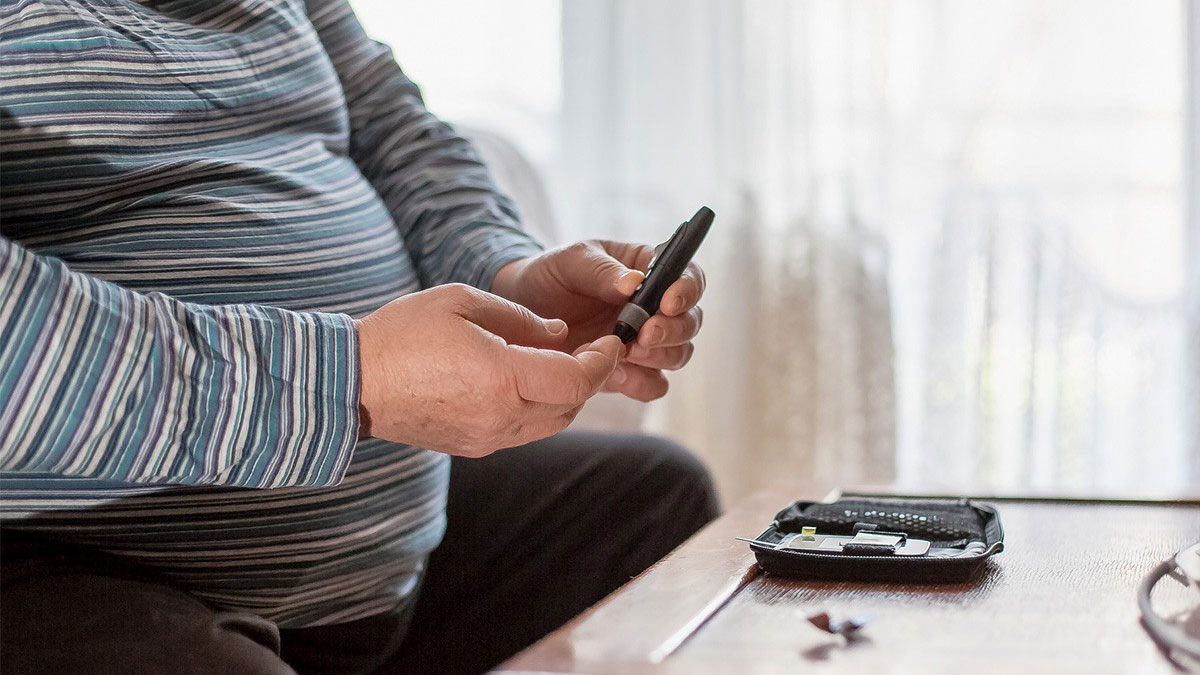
336, 395
307, 397
498, 252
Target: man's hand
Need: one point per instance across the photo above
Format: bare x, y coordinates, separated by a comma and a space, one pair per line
461, 371
586, 285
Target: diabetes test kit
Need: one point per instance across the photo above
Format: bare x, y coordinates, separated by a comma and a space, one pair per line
865, 538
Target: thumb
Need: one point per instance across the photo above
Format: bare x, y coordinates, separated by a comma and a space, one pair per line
516, 324
598, 274
600, 359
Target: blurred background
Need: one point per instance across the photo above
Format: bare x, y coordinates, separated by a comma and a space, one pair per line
957, 245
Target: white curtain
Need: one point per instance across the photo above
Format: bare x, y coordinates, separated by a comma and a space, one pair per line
952, 241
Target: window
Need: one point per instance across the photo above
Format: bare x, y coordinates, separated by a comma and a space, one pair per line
1018, 172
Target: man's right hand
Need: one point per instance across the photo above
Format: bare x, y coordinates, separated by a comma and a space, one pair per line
461, 371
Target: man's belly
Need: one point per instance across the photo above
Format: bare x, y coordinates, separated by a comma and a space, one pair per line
297, 556
130, 160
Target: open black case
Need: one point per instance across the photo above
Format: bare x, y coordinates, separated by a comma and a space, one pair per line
962, 535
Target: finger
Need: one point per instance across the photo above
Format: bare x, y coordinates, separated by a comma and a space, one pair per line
685, 292
530, 410
571, 414
600, 359
534, 430
535, 410
637, 382
593, 272
543, 427
661, 358
665, 331
546, 376
642, 256
508, 320
633, 256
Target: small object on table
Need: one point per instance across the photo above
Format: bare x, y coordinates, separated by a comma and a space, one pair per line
847, 628
1173, 637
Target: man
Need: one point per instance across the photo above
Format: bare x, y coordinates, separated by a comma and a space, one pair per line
198, 196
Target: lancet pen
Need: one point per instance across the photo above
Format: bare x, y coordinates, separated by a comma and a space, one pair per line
671, 258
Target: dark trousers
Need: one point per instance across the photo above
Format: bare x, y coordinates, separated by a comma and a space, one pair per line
536, 534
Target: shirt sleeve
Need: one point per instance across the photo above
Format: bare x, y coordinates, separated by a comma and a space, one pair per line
97, 381
455, 223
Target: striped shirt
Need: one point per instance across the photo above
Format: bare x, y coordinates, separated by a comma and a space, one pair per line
196, 196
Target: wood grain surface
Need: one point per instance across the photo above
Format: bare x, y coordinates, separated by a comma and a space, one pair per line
648, 619
1060, 598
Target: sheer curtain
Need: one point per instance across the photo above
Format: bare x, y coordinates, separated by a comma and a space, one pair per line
952, 244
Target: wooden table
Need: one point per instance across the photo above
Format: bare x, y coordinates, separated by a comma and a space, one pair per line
1060, 598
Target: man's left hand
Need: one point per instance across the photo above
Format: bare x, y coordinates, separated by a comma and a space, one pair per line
586, 284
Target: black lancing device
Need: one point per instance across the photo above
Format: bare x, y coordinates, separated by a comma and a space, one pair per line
671, 258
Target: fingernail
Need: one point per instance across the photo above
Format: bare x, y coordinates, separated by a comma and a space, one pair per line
556, 326
631, 274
